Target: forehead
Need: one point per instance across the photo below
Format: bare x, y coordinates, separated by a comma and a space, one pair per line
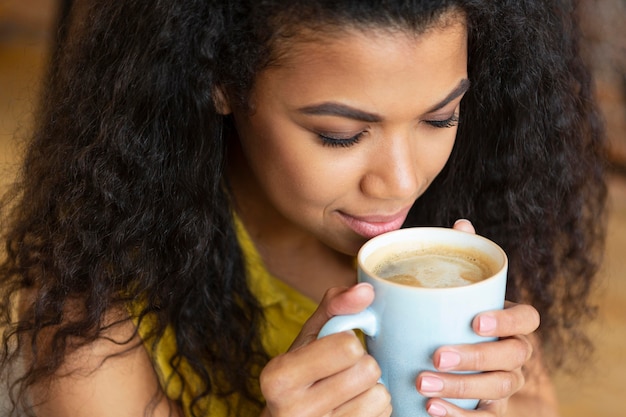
367, 66
297, 39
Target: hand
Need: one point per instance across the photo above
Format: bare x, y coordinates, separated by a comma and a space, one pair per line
332, 376
500, 362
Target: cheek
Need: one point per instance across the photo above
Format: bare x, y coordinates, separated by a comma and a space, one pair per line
292, 166
434, 158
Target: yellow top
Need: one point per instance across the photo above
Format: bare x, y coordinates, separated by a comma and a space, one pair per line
285, 310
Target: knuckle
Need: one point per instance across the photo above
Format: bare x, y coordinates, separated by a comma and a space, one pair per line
525, 350
463, 387
380, 394
371, 368
478, 359
510, 383
379, 400
386, 396
531, 317
274, 383
530, 348
332, 292
330, 295
349, 346
505, 388
536, 318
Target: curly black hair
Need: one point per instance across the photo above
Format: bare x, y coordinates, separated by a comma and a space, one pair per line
123, 194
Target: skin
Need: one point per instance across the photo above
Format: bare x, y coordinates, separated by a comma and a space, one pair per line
309, 207
390, 91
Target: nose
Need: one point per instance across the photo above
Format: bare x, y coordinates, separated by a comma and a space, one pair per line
393, 172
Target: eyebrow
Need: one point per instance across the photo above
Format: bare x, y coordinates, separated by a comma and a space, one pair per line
460, 89
342, 110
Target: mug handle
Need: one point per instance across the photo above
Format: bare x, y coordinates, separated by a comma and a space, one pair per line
365, 321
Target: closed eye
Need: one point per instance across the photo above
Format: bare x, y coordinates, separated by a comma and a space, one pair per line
452, 121
344, 142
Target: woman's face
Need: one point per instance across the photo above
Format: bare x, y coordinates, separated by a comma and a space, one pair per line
346, 132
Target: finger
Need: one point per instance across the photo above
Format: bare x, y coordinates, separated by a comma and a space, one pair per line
503, 355
336, 301
515, 319
334, 391
311, 363
464, 225
487, 385
347, 386
375, 402
441, 408
350, 382
387, 411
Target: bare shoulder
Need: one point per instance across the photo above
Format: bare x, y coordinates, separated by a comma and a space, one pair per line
112, 376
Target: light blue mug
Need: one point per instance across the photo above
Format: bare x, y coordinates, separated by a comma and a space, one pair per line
406, 324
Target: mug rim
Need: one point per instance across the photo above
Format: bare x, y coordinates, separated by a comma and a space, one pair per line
435, 231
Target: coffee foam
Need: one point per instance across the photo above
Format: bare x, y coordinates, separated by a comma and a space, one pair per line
436, 267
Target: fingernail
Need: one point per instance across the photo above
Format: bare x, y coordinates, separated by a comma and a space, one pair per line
448, 360
436, 410
486, 324
430, 384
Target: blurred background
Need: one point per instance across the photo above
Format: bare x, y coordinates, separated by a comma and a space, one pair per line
28, 29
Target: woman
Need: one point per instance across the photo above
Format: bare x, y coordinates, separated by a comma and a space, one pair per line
203, 173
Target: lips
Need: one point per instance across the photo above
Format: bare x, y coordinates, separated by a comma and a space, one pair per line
374, 225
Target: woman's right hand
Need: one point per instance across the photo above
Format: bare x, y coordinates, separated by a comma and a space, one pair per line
331, 376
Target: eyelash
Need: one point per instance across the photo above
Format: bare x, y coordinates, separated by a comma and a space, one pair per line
351, 141
450, 122
340, 142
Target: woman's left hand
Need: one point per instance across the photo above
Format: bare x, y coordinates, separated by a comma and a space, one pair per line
499, 363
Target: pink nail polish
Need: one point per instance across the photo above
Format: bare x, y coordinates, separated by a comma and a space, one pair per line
449, 360
486, 324
436, 410
430, 384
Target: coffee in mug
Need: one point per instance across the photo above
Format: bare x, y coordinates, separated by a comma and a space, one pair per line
436, 267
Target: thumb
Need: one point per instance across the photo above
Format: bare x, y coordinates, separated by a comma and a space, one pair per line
464, 225
336, 301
